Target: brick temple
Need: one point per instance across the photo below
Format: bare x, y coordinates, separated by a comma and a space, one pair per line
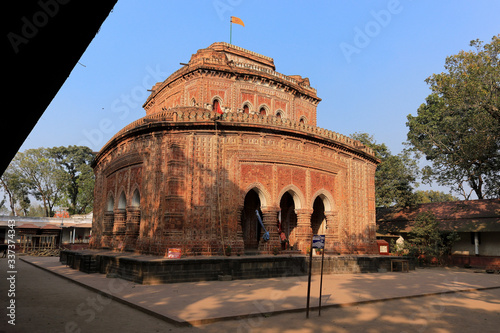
227, 138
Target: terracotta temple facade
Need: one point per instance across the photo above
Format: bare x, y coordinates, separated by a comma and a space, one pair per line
227, 138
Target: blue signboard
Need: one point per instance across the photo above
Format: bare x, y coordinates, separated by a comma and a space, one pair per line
318, 241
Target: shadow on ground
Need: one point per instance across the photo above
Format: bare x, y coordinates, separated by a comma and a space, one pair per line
48, 303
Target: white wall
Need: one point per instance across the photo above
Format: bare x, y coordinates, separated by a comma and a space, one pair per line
489, 246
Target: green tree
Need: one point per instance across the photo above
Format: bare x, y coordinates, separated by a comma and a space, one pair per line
55, 176
395, 177
36, 210
41, 175
79, 190
16, 191
434, 196
458, 128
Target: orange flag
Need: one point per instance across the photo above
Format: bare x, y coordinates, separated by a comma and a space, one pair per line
237, 20
219, 110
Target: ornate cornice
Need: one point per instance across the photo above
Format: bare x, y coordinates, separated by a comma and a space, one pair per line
195, 118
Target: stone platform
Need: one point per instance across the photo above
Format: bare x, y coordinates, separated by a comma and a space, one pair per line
146, 269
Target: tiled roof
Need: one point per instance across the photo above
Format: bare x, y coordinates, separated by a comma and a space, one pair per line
464, 216
51, 227
28, 226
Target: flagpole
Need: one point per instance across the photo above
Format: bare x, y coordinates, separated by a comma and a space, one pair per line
231, 31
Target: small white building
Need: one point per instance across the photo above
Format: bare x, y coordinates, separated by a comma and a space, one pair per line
477, 222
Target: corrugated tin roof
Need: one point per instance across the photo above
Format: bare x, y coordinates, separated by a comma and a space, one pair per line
77, 221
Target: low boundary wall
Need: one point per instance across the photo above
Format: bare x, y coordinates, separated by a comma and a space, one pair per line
157, 270
487, 262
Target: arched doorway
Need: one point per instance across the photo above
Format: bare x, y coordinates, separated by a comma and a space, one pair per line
250, 225
288, 218
318, 218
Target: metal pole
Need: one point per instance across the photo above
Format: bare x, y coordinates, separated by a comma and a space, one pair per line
309, 280
231, 32
321, 280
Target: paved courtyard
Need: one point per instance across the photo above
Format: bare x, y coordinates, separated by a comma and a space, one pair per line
53, 298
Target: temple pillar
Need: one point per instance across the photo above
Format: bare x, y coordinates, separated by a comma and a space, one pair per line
132, 226
303, 229
119, 228
239, 244
331, 237
133, 222
269, 219
107, 232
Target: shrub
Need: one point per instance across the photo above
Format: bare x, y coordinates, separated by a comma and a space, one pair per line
426, 241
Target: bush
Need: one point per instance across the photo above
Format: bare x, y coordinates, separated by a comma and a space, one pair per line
426, 241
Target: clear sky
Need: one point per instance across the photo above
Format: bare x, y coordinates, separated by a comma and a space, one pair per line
367, 59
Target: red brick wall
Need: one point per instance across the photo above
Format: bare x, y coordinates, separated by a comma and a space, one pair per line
487, 262
212, 74
193, 181
193, 173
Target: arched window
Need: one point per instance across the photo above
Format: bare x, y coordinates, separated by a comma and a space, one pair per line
134, 215
247, 107
216, 106
193, 102
136, 199
279, 114
120, 215
262, 111
110, 204
109, 217
302, 120
122, 201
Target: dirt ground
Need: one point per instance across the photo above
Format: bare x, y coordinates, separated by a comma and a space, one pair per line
47, 303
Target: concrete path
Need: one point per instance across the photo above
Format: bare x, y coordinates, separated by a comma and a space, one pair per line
206, 302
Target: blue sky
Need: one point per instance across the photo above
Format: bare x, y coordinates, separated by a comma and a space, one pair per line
367, 59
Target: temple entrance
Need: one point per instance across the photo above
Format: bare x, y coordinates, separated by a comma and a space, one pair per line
318, 219
249, 223
288, 220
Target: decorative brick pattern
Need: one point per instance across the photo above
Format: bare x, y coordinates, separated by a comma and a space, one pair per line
185, 176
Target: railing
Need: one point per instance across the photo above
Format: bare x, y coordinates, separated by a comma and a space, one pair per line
215, 61
243, 50
196, 114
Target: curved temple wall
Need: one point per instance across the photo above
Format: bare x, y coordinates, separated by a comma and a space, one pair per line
186, 176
